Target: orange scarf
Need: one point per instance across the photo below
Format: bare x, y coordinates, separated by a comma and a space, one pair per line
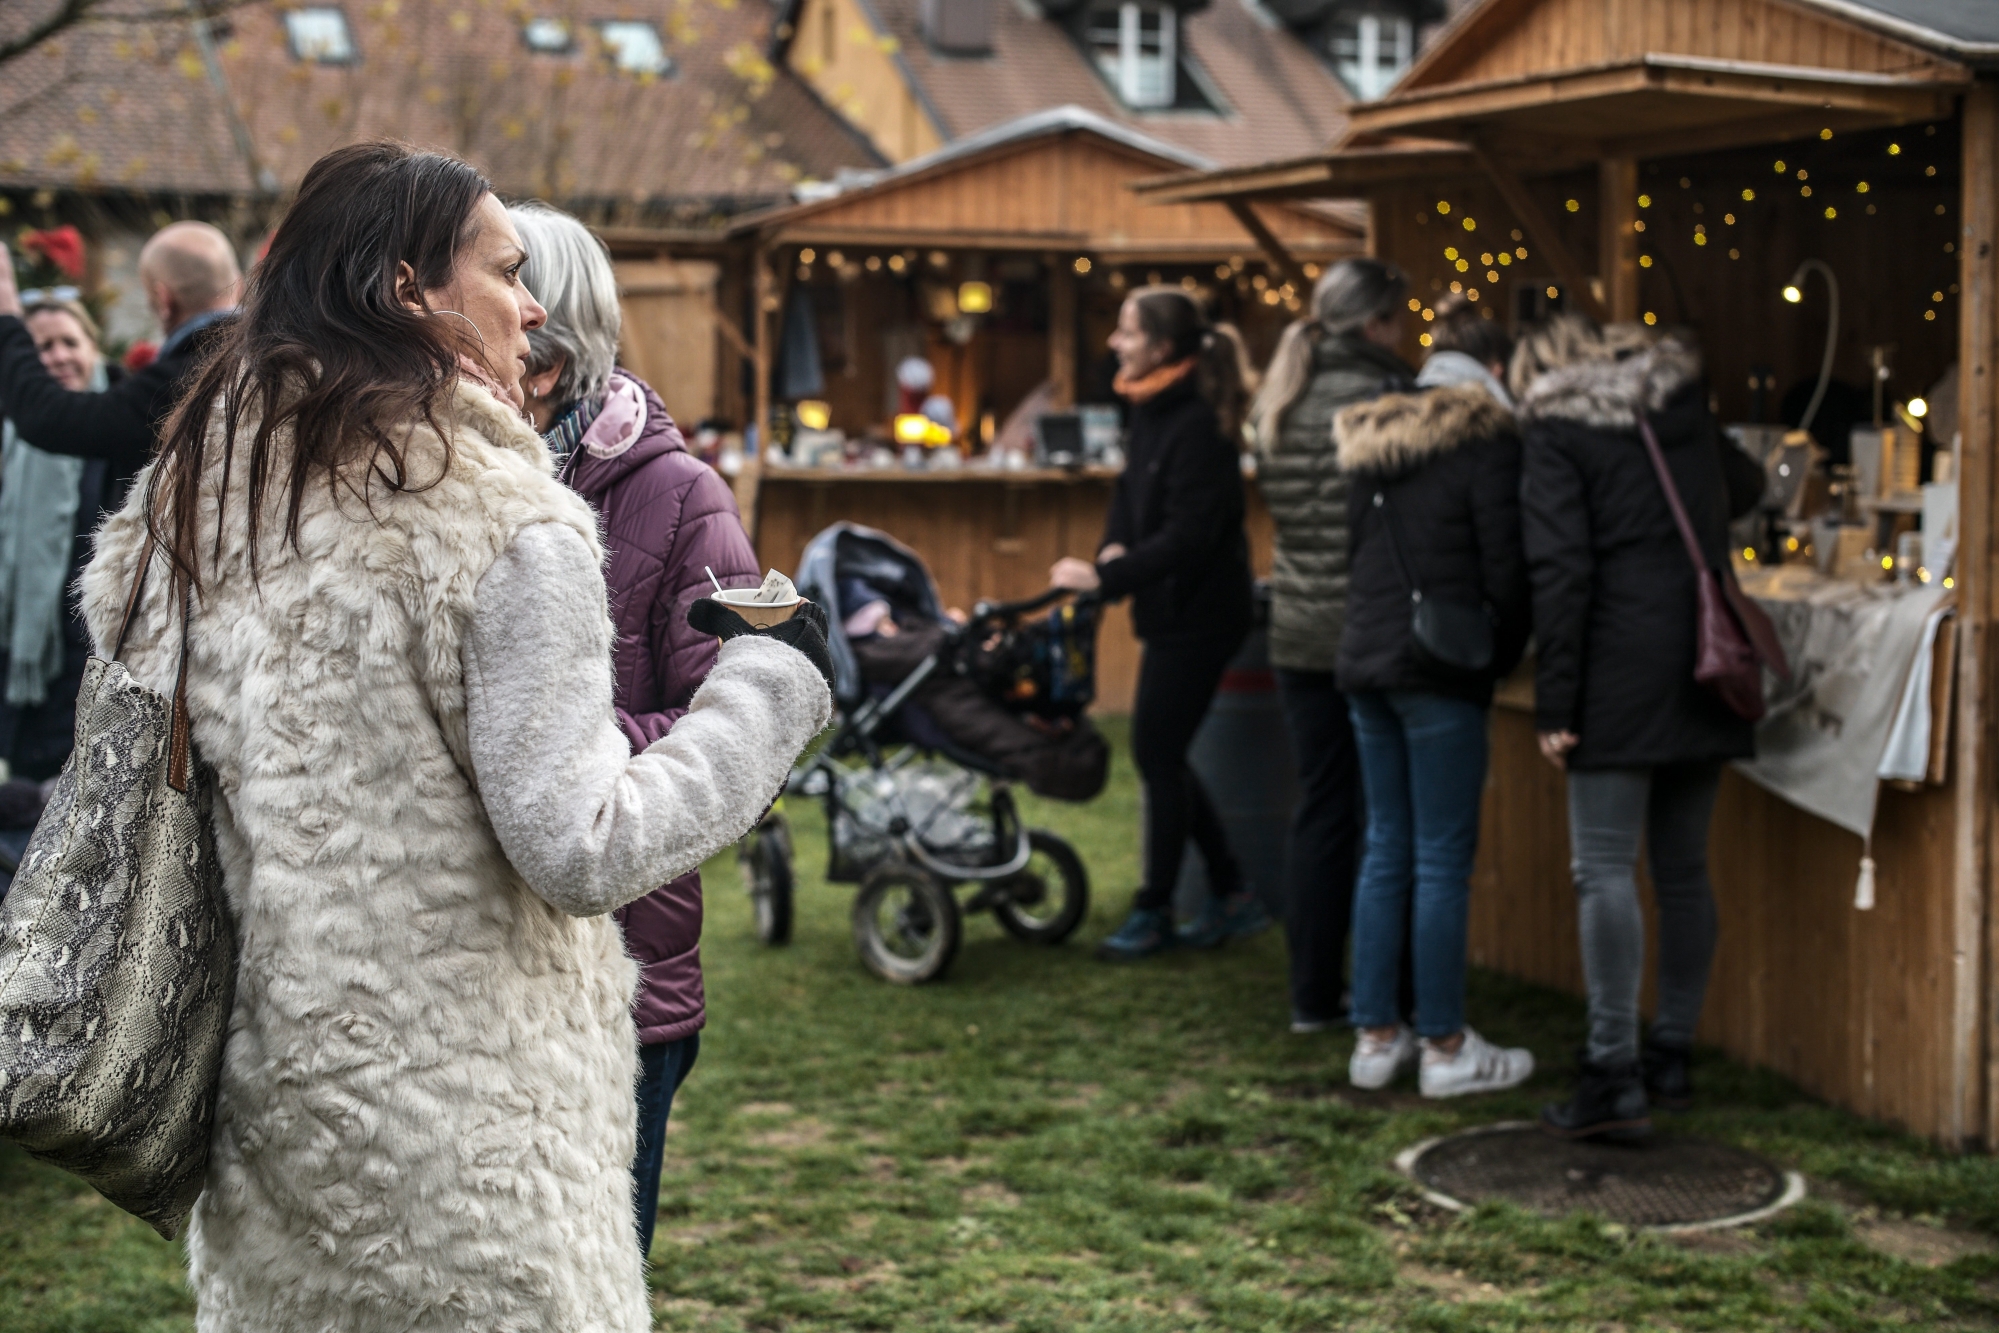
1153, 383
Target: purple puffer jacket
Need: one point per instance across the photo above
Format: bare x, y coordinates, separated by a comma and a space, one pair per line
665, 514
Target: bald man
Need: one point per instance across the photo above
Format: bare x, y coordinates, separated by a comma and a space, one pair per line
192, 284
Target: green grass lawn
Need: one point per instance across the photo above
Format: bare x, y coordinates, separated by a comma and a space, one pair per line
1045, 1142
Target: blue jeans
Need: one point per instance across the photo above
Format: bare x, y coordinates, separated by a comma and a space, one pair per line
662, 1069
1422, 763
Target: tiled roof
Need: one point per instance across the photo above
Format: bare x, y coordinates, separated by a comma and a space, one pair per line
1278, 98
134, 107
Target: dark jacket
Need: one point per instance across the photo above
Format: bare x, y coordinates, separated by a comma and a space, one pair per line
665, 515
1178, 511
1614, 593
1445, 465
120, 426
1301, 481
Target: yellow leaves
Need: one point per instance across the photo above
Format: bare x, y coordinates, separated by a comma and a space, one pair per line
123, 49
514, 127
888, 44
134, 169
333, 108
461, 23
384, 10
747, 63
88, 115
433, 95
681, 28
87, 168
564, 77
63, 152
189, 64
288, 135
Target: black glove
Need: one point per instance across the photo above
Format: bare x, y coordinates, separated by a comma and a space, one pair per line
805, 631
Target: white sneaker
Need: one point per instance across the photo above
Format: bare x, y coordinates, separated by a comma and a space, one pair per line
1477, 1066
1375, 1062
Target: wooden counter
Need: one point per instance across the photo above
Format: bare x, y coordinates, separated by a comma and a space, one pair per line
1857, 1007
984, 533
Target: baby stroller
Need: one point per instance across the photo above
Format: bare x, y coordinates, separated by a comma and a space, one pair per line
911, 815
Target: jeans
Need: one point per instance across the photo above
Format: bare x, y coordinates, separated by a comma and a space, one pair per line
1422, 762
662, 1069
1176, 683
1324, 851
1608, 811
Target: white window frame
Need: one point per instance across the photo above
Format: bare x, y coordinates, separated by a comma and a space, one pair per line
1144, 81
1362, 69
320, 35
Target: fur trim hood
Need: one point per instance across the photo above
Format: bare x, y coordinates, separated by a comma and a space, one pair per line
1609, 395
1400, 430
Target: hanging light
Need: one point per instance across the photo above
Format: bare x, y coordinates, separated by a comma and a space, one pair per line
1794, 292
1918, 407
975, 298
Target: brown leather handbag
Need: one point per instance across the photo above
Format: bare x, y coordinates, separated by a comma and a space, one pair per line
1733, 639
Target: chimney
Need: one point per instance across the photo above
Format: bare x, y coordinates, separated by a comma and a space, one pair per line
958, 27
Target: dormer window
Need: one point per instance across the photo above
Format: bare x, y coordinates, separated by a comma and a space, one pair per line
1137, 48
1371, 51
549, 37
634, 47
319, 34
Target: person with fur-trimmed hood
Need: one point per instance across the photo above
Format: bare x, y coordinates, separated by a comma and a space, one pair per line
1433, 489
1615, 700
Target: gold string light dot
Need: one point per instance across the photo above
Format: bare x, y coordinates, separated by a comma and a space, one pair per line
1780, 166
1492, 275
1520, 252
1638, 225
1486, 259
1573, 205
1428, 314
1644, 201
1504, 259
806, 255
1450, 252
1825, 134
1470, 225
1651, 318
1860, 188
1894, 150
1415, 303
1929, 171
1936, 296
1729, 218
1423, 339
1645, 261
1462, 266
1554, 292
1735, 254
1444, 207
1831, 213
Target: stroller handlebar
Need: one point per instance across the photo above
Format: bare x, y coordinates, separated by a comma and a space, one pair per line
990, 611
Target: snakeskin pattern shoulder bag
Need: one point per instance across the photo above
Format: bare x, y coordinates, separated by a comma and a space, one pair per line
117, 955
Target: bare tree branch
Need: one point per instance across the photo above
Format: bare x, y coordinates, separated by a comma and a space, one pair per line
67, 15
74, 13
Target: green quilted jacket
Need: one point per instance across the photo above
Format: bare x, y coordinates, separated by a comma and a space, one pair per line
1307, 496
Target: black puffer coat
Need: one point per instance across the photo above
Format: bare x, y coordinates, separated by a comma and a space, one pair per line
1299, 475
1614, 595
1447, 462
1178, 512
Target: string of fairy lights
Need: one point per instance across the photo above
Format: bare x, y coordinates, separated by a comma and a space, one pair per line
1475, 253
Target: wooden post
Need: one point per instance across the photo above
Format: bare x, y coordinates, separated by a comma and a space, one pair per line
1975, 1091
749, 482
1061, 332
1535, 223
1617, 244
1266, 240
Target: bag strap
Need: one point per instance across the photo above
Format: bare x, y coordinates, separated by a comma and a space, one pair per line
1680, 518
180, 742
1395, 543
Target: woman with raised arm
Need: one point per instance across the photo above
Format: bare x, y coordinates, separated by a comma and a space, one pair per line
399, 671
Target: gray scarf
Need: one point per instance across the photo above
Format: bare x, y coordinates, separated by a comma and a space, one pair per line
38, 501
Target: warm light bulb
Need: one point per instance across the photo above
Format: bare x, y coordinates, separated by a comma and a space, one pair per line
911, 428
1793, 295
1887, 562
1082, 264
975, 298
814, 415
1918, 407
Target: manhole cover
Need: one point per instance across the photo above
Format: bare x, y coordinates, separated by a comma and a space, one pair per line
1668, 1183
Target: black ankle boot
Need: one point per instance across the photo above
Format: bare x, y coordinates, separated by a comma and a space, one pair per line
1669, 1078
1609, 1103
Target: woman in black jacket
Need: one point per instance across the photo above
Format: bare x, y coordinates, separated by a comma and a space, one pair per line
1615, 700
1174, 543
1433, 481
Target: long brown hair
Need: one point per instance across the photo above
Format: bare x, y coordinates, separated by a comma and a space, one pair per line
1222, 373
323, 347
1348, 295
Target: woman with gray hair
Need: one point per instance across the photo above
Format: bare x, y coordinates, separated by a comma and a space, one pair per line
1341, 354
666, 518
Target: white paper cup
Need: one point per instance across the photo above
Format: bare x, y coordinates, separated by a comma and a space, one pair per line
761, 615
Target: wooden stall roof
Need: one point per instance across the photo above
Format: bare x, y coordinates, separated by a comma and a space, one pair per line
1554, 84
1055, 180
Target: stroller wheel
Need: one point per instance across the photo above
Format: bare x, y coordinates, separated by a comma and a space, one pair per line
765, 856
1049, 898
906, 924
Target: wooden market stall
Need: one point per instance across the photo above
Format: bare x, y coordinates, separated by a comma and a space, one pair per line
1000, 261
1673, 162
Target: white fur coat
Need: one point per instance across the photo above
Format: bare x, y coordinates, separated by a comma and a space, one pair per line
425, 1118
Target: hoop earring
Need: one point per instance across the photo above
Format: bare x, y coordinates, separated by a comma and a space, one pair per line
468, 319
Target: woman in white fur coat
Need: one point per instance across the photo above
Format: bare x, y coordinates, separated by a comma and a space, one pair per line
399, 673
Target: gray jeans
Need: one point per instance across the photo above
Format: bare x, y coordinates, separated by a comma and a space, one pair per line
1609, 810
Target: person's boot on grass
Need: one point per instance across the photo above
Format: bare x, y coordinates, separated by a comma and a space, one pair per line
1143, 934
1608, 1104
1236, 916
1668, 1069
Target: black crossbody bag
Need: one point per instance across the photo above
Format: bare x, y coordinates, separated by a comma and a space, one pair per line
1450, 636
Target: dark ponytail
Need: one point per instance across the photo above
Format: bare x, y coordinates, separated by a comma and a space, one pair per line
1223, 372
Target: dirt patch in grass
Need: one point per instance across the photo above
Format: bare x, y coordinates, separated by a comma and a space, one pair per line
1921, 1242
